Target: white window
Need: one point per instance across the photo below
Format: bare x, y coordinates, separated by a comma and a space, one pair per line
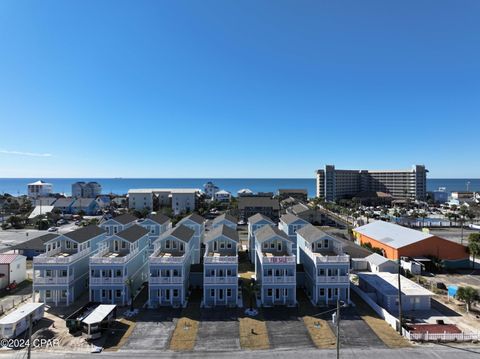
48, 293
68, 245
325, 243
124, 244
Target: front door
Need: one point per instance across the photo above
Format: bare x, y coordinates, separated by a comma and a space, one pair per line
277, 293
329, 293
220, 294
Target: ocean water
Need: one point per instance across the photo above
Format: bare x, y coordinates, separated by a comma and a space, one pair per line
18, 186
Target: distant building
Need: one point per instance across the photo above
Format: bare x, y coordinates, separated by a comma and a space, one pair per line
396, 241
86, 190
440, 195
225, 219
89, 206
223, 196
64, 205
210, 189
377, 263
181, 200
244, 192
250, 205
39, 189
299, 194
334, 184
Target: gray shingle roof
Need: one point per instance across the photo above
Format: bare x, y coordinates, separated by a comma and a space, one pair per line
159, 218
311, 233
259, 217
63, 202
393, 235
37, 243
226, 216
180, 232
133, 233
267, 232
125, 218
85, 234
222, 230
195, 218
300, 208
258, 202
289, 218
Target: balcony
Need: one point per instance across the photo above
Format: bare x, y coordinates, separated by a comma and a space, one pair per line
279, 280
343, 258
220, 280
107, 280
220, 259
58, 256
165, 280
104, 256
333, 279
278, 260
53, 280
159, 258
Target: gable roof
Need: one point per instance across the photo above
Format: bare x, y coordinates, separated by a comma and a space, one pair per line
63, 202
194, 217
83, 202
84, 234
392, 235
222, 230
377, 259
225, 216
133, 233
36, 243
258, 217
8, 258
180, 232
159, 218
289, 218
311, 233
300, 208
124, 218
267, 232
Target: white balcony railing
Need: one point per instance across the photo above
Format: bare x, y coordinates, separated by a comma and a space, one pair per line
220, 259
279, 279
343, 258
333, 279
46, 258
53, 280
165, 280
166, 259
279, 260
220, 280
100, 259
108, 280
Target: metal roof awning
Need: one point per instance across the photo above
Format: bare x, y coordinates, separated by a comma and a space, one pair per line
99, 314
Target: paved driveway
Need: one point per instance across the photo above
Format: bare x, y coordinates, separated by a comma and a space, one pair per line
286, 329
153, 329
218, 330
354, 332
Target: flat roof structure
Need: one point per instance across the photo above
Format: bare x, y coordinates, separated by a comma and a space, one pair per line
20, 313
99, 313
387, 284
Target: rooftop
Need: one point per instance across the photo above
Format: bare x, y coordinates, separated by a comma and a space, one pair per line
85, 234
225, 216
387, 283
159, 218
257, 201
377, 259
133, 233
194, 217
267, 232
181, 232
393, 235
8, 258
36, 243
311, 233
20, 313
125, 218
222, 230
289, 218
259, 217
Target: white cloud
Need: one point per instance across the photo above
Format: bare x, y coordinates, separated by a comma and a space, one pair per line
30, 154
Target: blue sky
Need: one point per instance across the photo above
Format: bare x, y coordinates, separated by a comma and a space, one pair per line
238, 88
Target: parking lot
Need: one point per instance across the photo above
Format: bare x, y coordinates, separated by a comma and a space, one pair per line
218, 330
286, 329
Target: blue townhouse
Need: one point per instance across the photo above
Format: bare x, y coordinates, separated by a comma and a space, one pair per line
60, 275
169, 267
326, 266
275, 267
220, 267
256, 222
226, 219
197, 224
156, 224
120, 267
118, 224
290, 224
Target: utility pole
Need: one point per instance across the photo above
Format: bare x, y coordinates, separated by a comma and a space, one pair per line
338, 327
399, 297
29, 336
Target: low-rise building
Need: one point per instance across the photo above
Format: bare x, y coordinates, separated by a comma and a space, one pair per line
210, 189
64, 205
39, 189
377, 263
34, 246
118, 224
156, 224
256, 222
86, 190
60, 275
275, 267
88, 206
120, 267
169, 267
223, 196
13, 268
197, 224
225, 219
251, 205
220, 267
326, 266
383, 288
298, 194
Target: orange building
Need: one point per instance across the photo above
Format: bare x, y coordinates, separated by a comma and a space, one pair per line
397, 241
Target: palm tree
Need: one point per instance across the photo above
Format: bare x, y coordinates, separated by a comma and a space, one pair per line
251, 290
467, 295
474, 246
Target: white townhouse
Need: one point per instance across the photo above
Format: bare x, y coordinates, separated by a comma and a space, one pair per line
220, 267
275, 267
118, 224
226, 219
223, 196
169, 267
290, 224
256, 222
156, 224
197, 223
326, 266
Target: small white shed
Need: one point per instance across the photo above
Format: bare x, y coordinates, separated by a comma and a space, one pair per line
378, 263
13, 267
16, 322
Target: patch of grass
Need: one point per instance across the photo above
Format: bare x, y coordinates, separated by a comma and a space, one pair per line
379, 326
185, 334
253, 333
320, 332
